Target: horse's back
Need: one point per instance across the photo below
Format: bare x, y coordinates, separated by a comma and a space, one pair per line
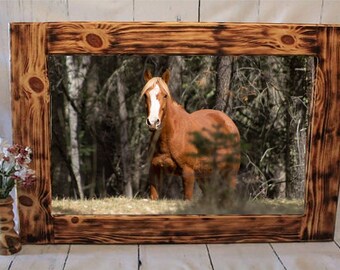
211, 119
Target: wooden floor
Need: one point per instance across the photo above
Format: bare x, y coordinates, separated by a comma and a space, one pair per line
278, 256
307, 256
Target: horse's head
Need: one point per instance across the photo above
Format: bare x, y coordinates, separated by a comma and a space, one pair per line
156, 94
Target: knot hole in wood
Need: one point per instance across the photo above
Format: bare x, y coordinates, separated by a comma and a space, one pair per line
26, 201
94, 40
36, 84
288, 39
74, 220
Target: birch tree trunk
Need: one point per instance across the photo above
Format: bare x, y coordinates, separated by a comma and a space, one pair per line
296, 134
77, 69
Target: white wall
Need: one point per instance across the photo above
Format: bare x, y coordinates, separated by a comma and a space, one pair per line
293, 11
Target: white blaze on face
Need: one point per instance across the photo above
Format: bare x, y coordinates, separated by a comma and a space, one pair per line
154, 105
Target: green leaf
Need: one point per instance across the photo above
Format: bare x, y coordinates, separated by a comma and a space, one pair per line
9, 185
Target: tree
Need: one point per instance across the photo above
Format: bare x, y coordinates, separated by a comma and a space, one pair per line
77, 69
176, 65
224, 96
261, 94
124, 139
296, 120
92, 109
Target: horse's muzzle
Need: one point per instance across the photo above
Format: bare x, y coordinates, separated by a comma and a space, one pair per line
153, 126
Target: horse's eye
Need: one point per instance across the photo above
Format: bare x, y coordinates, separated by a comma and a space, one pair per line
165, 96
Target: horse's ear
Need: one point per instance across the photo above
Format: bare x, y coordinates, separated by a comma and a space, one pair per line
166, 76
147, 75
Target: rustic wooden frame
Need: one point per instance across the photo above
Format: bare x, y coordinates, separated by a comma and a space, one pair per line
32, 42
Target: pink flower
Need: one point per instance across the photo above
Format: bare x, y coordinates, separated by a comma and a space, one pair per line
25, 177
14, 161
29, 180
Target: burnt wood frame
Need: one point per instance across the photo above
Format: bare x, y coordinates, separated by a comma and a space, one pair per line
31, 43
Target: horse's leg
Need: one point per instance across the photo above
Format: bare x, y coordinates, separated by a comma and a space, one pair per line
233, 180
188, 176
202, 183
155, 182
231, 176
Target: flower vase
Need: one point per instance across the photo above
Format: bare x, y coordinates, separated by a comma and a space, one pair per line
9, 238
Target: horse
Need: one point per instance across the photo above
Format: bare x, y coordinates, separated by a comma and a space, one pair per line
171, 148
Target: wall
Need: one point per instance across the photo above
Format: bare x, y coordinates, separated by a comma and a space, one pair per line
293, 11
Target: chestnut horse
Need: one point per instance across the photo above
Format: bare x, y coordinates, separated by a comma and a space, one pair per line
173, 130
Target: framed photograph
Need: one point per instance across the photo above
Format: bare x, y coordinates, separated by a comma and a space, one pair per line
128, 126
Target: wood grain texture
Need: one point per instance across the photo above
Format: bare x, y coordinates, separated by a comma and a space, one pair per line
9, 239
244, 256
102, 257
175, 229
311, 256
181, 38
169, 257
41, 257
31, 126
323, 159
297, 256
6, 261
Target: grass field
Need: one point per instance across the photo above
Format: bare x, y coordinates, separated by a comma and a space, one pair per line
139, 206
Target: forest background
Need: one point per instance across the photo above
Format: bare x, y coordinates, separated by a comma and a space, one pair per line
100, 140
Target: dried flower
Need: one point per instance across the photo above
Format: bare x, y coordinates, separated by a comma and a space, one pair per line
14, 161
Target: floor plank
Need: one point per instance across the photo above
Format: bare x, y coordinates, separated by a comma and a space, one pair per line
5, 261
244, 256
102, 257
311, 256
39, 257
166, 257
337, 242
297, 256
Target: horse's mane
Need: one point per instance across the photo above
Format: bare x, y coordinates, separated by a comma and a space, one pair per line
152, 82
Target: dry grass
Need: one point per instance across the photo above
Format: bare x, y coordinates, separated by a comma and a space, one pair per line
116, 206
138, 206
